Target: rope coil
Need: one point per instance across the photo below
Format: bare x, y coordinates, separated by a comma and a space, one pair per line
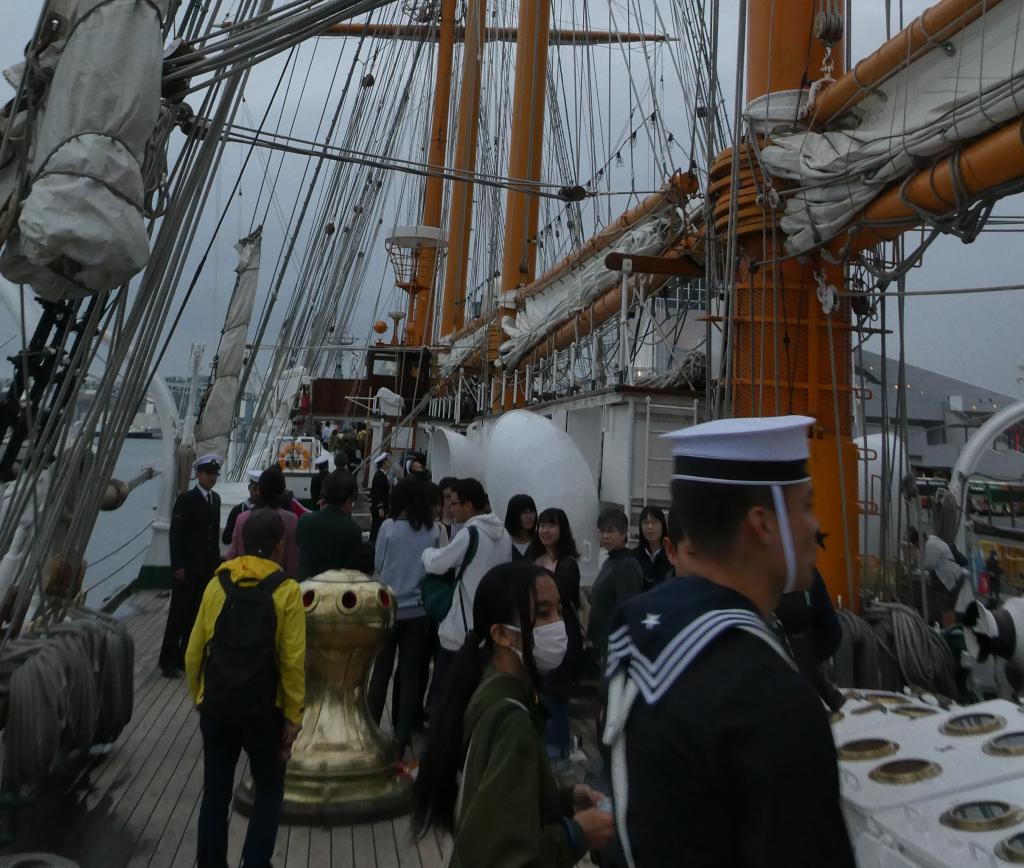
63, 689
892, 648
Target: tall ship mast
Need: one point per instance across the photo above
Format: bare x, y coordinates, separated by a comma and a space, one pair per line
521, 241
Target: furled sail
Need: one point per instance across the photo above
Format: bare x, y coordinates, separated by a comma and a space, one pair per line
214, 425
950, 95
575, 282
81, 226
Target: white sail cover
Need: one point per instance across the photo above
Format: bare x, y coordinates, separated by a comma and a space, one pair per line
214, 427
968, 86
81, 227
577, 289
570, 292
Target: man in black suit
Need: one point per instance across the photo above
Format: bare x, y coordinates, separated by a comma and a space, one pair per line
195, 556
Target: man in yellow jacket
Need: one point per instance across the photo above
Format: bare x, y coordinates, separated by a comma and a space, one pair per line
246, 672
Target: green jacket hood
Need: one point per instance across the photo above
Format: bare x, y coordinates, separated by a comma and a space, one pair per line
497, 687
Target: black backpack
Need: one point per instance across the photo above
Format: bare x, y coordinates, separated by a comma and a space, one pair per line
240, 671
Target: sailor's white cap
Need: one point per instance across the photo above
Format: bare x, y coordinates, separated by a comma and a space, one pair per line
381, 456
210, 461
771, 450
254, 476
321, 460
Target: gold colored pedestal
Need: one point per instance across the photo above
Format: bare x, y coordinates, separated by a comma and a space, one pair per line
342, 768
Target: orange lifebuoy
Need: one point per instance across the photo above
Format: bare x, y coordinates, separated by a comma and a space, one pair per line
294, 456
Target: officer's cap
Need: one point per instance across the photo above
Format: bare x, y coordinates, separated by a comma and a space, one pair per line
209, 462
771, 450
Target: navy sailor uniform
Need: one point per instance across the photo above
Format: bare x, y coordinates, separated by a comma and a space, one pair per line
722, 754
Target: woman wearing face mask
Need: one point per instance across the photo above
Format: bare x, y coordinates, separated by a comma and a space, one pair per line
507, 808
521, 523
555, 549
650, 551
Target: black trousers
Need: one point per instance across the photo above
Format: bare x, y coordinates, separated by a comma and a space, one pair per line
181, 616
443, 660
222, 746
408, 640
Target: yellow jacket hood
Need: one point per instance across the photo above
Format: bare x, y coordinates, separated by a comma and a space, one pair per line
290, 635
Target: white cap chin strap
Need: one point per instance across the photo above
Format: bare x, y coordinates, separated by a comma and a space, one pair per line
787, 537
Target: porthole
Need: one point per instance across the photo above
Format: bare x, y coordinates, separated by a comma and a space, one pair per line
866, 749
905, 771
976, 723
1007, 744
985, 816
915, 711
1012, 849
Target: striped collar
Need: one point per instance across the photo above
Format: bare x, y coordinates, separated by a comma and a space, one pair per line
658, 635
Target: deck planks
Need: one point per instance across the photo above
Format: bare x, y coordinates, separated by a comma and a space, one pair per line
137, 805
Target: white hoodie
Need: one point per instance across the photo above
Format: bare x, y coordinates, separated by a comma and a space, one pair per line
494, 547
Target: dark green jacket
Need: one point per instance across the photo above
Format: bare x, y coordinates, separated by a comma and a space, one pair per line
621, 578
326, 540
513, 814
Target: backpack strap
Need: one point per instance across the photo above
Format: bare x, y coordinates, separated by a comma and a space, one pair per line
474, 541
271, 583
226, 583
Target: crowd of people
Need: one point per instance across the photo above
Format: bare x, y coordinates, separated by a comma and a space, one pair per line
705, 723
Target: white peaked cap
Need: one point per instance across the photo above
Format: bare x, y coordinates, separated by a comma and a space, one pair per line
322, 459
771, 450
381, 456
254, 475
209, 458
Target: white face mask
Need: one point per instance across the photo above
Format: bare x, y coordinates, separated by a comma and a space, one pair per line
550, 644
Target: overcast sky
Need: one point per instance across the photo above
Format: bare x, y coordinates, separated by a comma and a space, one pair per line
976, 338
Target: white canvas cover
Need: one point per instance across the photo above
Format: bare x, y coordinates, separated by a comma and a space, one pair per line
214, 427
952, 94
81, 228
540, 313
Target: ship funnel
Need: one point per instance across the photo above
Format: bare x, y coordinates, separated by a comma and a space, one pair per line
527, 454
453, 454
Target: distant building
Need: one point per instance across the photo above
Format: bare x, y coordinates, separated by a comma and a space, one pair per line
942, 413
179, 388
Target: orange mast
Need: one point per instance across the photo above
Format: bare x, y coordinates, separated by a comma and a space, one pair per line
460, 220
421, 291
522, 212
787, 355
927, 31
983, 166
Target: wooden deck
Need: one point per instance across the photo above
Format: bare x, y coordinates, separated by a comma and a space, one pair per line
136, 806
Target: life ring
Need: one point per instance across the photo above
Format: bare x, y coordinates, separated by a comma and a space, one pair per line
294, 456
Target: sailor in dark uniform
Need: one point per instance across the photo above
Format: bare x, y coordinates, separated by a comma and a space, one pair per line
722, 753
195, 556
809, 629
322, 465
380, 494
